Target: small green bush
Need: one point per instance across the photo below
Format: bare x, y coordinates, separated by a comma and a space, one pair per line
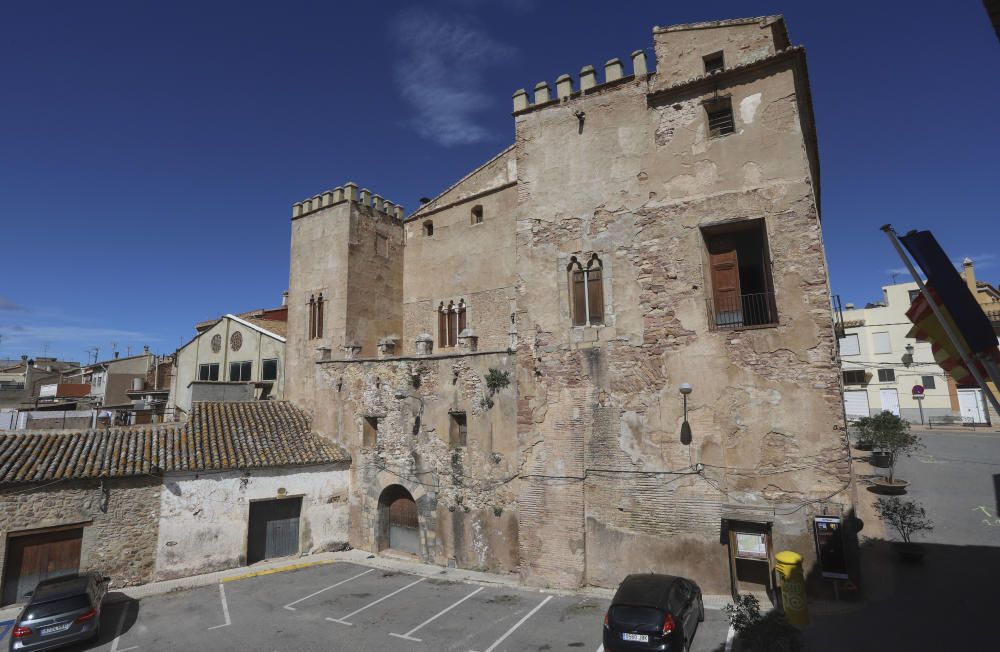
769, 633
497, 380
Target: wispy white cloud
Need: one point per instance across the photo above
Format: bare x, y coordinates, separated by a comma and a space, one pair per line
440, 74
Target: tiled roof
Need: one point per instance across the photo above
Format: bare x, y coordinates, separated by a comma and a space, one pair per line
272, 325
217, 436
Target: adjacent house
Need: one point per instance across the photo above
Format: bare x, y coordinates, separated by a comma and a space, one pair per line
881, 366
609, 348
235, 357
236, 483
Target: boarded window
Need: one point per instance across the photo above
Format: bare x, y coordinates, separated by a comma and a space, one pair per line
269, 369
849, 344
477, 214
928, 382
714, 63
886, 375
720, 117
586, 291
369, 437
740, 276
458, 431
208, 371
854, 377
882, 342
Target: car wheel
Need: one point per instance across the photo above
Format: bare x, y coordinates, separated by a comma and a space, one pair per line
701, 613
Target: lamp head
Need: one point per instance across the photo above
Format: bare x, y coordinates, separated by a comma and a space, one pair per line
685, 389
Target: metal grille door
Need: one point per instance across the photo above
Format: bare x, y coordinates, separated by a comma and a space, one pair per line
273, 529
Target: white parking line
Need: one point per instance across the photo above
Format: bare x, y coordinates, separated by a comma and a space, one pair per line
225, 607
118, 632
343, 619
729, 639
516, 625
312, 595
408, 636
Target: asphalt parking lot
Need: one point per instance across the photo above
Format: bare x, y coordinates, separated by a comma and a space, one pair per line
345, 606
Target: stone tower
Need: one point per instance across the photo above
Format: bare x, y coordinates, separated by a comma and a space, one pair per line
345, 282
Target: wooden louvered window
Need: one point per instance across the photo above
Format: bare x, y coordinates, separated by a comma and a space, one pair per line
586, 291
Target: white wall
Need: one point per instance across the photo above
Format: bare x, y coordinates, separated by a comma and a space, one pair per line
204, 516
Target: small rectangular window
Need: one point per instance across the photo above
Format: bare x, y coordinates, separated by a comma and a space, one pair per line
477, 214
208, 372
854, 377
369, 437
882, 342
849, 344
913, 295
239, 371
714, 63
458, 432
928, 382
720, 118
269, 369
428, 228
886, 375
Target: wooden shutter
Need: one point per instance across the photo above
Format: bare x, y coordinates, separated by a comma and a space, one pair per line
442, 327
725, 268
312, 317
319, 316
452, 327
578, 305
595, 295
461, 317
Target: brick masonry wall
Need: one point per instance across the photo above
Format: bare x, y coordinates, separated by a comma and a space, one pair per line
119, 538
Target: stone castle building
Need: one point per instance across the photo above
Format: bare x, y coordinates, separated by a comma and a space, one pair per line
504, 364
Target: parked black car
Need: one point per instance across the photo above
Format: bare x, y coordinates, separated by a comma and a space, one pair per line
61, 610
653, 612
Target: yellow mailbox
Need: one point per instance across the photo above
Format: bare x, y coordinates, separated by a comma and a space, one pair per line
793, 586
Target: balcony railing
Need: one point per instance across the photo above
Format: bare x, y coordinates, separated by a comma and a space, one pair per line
743, 311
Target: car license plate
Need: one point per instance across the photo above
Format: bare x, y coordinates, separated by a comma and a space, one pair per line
54, 629
638, 638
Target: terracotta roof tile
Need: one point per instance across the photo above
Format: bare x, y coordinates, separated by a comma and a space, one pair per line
217, 436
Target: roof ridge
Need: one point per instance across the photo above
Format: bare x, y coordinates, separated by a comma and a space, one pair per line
457, 183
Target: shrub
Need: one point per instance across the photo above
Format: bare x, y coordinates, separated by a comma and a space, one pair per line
907, 517
891, 434
497, 380
769, 633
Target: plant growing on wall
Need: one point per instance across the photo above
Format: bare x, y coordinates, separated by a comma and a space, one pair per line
497, 380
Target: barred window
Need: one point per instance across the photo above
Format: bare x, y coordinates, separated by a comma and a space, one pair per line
720, 117
887, 375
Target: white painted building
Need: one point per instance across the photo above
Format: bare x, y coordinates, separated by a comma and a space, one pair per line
880, 371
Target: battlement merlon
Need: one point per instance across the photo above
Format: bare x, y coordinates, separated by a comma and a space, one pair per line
347, 193
614, 72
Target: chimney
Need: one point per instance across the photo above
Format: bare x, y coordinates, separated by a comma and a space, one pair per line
116, 355
284, 298
145, 349
970, 275
849, 306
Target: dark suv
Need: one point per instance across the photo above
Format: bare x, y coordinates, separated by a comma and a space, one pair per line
61, 610
653, 612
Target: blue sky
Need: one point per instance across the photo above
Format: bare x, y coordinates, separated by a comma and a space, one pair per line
150, 152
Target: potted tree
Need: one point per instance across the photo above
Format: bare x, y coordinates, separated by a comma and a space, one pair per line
906, 517
891, 438
865, 438
761, 633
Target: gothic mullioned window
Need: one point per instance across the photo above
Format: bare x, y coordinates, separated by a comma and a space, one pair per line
451, 322
586, 291
316, 316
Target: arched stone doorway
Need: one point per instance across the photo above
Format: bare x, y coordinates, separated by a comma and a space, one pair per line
398, 526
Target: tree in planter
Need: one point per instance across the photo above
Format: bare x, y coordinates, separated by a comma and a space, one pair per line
892, 435
907, 517
769, 633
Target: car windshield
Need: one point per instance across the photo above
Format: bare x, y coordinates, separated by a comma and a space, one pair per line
632, 617
56, 607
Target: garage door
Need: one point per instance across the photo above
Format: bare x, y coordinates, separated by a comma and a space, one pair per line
273, 529
970, 403
856, 404
34, 557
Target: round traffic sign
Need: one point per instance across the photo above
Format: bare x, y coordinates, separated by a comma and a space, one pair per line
918, 390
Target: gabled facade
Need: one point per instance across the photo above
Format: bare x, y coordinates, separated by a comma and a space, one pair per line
505, 365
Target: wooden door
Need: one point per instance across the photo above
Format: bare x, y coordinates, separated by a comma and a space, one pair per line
35, 557
725, 270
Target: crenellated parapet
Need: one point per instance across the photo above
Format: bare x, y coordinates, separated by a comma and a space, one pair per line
614, 72
349, 192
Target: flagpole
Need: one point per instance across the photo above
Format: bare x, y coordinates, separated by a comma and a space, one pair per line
973, 369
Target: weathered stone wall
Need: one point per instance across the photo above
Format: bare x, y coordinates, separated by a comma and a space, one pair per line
119, 526
615, 489
466, 496
464, 260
